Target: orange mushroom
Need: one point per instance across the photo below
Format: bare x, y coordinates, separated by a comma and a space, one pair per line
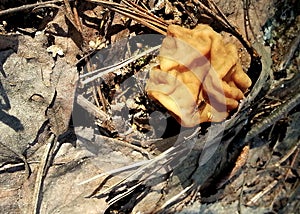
199, 78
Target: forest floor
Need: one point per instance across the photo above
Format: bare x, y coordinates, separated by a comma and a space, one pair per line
79, 134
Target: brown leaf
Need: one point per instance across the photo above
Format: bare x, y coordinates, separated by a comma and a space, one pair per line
59, 112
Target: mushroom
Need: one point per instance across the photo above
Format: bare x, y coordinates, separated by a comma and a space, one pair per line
199, 78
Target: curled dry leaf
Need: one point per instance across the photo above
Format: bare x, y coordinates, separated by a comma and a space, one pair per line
199, 78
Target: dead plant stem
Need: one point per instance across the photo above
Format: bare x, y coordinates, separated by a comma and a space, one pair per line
136, 13
27, 7
36, 199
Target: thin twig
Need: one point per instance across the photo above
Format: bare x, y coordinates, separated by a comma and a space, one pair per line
247, 23
27, 7
274, 116
176, 197
290, 53
20, 156
239, 208
94, 84
10, 166
143, 10
70, 15
103, 101
36, 200
76, 17
136, 13
131, 146
292, 163
123, 194
259, 195
102, 71
286, 156
91, 108
191, 15
141, 170
68, 7
115, 171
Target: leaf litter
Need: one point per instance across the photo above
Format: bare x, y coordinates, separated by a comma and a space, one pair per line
35, 82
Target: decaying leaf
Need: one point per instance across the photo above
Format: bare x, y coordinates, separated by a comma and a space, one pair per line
21, 117
65, 81
127, 171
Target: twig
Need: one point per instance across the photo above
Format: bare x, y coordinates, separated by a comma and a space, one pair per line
131, 146
239, 208
21, 157
76, 17
91, 108
123, 194
143, 10
36, 200
71, 17
10, 166
246, 4
115, 171
164, 160
27, 7
68, 7
102, 71
286, 156
289, 55
94, 84
7, 167
136, 13
274, 116
292, 163
258, 196
176, 197
191, 15
102, 98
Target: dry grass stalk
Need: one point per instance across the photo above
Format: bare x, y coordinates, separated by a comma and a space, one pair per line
137, 13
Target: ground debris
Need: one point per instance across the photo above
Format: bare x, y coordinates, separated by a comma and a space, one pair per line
75, 71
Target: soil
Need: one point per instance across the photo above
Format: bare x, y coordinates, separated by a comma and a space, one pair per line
79, 134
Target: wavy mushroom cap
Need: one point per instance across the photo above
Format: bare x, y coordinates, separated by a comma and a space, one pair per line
199, 78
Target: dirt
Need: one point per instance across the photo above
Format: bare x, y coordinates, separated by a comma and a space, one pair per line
73, 144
